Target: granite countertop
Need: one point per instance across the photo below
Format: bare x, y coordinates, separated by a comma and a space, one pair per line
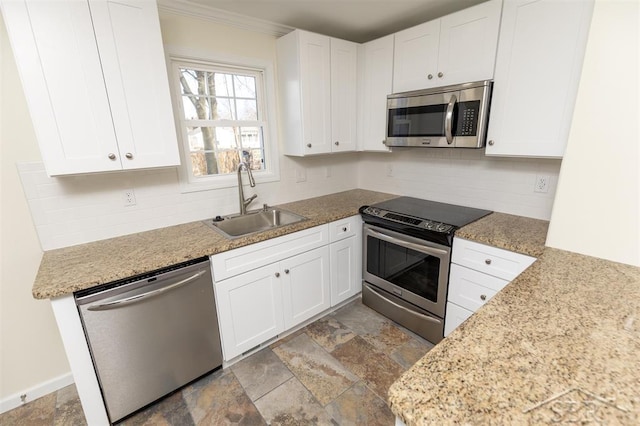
66, 270
560, 344
515, 233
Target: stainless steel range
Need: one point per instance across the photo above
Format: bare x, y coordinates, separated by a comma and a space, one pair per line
406, 254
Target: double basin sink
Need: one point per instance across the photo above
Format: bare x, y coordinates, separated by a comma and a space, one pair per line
265, 219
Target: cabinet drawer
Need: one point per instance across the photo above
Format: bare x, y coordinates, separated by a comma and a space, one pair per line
472, 289
456, 315
243, 259
490, 260
344, 228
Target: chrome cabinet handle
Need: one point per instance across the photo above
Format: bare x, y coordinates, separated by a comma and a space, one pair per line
277, 274
336, 143
440, 75
487, 261
129, 155
121, 302
286, 271
430, 76
491, 143
448, 119
308, 145
112, 156
344, 229
483, 297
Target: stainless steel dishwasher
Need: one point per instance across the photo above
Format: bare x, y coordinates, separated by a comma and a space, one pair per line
151, 334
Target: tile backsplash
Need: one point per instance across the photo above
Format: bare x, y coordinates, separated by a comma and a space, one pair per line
73, 210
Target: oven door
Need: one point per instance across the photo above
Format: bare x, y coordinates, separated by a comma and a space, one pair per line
415, 270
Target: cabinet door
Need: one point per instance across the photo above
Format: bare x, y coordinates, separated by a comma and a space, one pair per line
346, 269
415, 57
130, 45
377, 75
343, 95
538, 65
456, 315
249, 309
305, 285
315, 81
468, 43
57, 56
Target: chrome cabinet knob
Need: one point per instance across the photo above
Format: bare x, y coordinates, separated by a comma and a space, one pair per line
286, 271
430, 76
277, 274
308, 145
344, 229
382, 142
487, 261
112, 156
491, 143
129, 155
483, 297
440, 75
336, 143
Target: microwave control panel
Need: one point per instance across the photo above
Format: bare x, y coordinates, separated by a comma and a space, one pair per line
468, 118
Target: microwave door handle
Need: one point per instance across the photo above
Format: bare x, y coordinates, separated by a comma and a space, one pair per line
417, 247
448, 119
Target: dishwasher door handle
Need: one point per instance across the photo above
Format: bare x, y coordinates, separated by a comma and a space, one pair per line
138, 297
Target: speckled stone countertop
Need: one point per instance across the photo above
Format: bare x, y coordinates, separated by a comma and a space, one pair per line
560, 344
515, 233
66, 270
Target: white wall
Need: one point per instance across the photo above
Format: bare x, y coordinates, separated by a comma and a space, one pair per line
463, 177
30, 348
597, 208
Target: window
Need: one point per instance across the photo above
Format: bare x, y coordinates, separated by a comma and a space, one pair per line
222, 120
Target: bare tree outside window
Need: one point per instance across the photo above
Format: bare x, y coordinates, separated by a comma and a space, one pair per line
222, 119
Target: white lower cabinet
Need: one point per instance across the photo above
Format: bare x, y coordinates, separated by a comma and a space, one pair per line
345, 251
477, 273
269, 287
305, 286
249, 309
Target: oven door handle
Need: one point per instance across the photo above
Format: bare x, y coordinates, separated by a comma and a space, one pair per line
397, 305
417, 247
448, 119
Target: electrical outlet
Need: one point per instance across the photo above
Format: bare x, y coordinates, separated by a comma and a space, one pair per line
542, 184
327, 171
301, 174
129, 197
390, 170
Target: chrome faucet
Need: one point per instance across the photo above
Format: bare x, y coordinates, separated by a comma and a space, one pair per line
252, 183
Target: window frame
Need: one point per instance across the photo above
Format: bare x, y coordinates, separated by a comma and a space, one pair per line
180, 58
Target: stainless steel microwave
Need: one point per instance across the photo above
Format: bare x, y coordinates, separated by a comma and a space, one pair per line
443, 117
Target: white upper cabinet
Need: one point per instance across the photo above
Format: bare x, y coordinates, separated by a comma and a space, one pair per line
375, 74
457, 48
538, 66
317, 82
95, 80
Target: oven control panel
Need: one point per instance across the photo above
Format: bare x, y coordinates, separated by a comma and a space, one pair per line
416, 222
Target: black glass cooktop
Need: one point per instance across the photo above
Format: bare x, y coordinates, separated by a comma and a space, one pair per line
424, 219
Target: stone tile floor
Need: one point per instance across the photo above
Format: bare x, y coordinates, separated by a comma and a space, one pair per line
335, 371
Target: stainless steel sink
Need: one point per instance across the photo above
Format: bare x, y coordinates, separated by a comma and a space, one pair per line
255, 221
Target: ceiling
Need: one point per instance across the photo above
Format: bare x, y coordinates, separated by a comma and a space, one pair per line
355, 20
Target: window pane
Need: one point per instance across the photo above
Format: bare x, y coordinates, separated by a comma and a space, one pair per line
195, 108
223, 85
247, 109
226, 137
251, 137
203, 163
222, 109
255, 158
245, 86
188, 81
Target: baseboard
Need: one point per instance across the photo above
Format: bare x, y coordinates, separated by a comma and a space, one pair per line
35, 392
